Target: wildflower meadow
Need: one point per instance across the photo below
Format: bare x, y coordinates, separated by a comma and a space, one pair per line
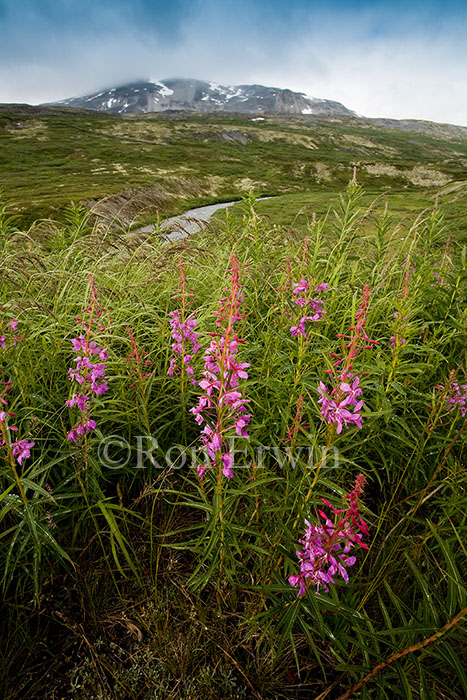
233, 465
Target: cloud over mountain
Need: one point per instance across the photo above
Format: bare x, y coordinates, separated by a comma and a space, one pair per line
382, 59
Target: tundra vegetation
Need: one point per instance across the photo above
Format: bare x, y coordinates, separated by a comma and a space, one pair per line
232, 466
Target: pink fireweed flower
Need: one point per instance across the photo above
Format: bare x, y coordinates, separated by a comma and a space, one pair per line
327, 544
78, 400
222, 403
221, 409
90, 377
299, 329
22, 449
300, 287
184, 333
186, 343
7, 333
456, 399
19, 449
312, 307
81, 343
88, 374
342, 405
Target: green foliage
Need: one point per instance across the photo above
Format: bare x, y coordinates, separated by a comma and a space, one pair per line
137, 580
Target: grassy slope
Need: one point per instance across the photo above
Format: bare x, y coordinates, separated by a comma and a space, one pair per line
49, 157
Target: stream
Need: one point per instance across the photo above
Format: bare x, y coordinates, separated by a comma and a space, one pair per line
191, 221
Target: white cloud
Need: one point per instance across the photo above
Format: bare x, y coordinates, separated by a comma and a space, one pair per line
408, 69
416, 79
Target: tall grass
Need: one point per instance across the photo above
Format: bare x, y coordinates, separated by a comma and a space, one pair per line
141, 579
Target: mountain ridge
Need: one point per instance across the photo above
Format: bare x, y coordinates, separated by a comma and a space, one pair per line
143, 97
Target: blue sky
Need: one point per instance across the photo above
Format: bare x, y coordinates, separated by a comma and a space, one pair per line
394, 59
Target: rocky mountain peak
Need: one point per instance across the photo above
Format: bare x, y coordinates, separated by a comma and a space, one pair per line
204, 96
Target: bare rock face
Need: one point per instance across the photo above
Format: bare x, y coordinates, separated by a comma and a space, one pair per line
201, 96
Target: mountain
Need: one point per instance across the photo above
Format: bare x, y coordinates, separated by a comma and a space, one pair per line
201, 96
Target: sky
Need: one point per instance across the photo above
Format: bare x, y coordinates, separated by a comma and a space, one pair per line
399, 59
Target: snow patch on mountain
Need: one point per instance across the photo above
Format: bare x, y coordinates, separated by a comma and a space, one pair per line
164, 90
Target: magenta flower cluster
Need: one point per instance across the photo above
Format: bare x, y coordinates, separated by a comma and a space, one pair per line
326, 546
9, 336
184, 337
311, 307
90, 376
457, 398
21, 449
221, 409
342, 405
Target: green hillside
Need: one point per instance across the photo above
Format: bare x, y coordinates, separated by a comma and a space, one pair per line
168, 162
